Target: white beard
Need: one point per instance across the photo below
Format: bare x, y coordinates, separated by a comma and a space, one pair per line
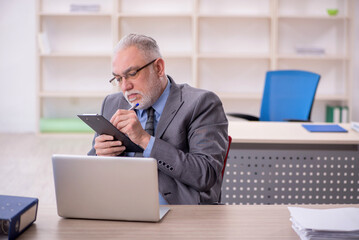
149, 98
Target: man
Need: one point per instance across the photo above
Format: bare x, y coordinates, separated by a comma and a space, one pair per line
190, 127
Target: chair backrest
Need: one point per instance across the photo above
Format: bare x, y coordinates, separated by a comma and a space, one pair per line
288, 95
225, 159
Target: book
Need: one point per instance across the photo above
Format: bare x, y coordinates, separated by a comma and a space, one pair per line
324, 128
16, 214
333, 114
85, 8
305, 50
337, 114
344, 116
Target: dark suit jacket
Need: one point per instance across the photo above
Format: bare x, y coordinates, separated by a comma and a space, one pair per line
190, 145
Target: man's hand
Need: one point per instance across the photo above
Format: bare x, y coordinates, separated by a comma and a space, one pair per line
127, 122
106, 146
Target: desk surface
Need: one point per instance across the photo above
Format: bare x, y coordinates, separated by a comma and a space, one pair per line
182, 222
287, 132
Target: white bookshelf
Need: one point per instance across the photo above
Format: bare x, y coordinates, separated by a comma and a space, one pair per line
225, 46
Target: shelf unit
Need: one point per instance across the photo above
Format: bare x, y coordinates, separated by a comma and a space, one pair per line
224, 46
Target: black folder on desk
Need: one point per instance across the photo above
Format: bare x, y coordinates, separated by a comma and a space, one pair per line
324, 128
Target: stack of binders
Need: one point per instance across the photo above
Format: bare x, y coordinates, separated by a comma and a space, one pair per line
319, 224
16, 214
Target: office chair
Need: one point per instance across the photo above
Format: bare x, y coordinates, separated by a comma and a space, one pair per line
225, 159
288, 96
224, 165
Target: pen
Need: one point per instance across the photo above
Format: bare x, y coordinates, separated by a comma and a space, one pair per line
133, 106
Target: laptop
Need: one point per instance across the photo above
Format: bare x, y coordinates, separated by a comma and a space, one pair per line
108, 188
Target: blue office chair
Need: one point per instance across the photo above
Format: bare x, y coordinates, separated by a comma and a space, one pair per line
288, 96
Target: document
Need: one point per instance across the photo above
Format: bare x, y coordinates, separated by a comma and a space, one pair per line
315, 224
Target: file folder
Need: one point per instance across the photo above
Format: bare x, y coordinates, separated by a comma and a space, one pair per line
324, 128
16, 214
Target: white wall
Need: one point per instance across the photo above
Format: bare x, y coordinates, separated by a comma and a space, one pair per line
18, 66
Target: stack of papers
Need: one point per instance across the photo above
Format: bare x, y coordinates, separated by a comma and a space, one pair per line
319, 224
355, 126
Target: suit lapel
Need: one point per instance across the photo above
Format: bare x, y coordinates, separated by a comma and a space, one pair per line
121, 104
173, 104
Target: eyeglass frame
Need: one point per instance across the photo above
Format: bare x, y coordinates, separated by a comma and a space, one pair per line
133, 74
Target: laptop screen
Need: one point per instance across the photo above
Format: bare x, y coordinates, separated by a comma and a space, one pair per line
112, 188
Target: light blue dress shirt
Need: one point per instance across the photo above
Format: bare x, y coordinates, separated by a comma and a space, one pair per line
158, 106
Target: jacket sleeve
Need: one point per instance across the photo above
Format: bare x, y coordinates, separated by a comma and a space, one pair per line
92, 150
193, 148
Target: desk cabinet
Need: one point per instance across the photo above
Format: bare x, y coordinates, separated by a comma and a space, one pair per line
263, 168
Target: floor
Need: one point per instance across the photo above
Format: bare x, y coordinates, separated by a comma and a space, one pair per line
25, 162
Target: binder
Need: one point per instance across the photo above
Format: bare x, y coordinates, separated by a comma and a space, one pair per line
16, 214
337, 114
344, 116
333, 114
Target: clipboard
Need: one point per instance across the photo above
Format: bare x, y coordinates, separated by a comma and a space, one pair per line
102, 126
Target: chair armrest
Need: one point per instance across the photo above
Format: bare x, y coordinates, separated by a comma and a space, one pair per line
244, 116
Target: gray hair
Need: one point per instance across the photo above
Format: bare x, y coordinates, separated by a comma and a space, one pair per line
147, 45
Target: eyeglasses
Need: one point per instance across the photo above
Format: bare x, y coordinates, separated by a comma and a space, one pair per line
129, 75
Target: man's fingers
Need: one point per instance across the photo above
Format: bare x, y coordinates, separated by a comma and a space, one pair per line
114, 151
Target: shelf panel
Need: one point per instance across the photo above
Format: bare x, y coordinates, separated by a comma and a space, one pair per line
77, 35
233, 56
311, 8
48, 94
258, 96
334, 97
327, 36
79, 14
160, 7
75, 74
69, 107
312, 17
240, 36
239, 96
162, 31
227, 75
239, 16
234, 7
177, 55
313, 57
151, 15
75, 54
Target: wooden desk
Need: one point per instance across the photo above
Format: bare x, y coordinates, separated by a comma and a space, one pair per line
283, 163
287, 133
182, 222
